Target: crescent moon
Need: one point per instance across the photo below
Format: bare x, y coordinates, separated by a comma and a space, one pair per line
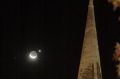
33, 56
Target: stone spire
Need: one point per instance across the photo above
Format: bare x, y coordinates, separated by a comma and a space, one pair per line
90, 67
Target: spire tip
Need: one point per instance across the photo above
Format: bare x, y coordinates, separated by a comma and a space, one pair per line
90, 2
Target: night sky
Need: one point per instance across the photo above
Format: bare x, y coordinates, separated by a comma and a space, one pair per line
57, 28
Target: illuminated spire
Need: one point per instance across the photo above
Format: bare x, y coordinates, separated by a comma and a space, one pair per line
90, 67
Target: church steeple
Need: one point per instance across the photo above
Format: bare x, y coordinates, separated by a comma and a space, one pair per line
90, 3
90, 67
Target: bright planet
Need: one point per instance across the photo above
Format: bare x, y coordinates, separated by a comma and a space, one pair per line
33, 55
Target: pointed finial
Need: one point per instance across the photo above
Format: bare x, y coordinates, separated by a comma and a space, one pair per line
90, 3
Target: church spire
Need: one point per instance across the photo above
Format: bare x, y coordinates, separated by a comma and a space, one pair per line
90, 3
90, 67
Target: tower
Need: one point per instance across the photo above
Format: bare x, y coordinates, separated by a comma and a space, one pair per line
90, 67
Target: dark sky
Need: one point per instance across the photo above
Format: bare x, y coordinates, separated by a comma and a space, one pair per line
57, 27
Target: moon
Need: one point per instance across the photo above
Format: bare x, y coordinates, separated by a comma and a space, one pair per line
33, 55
